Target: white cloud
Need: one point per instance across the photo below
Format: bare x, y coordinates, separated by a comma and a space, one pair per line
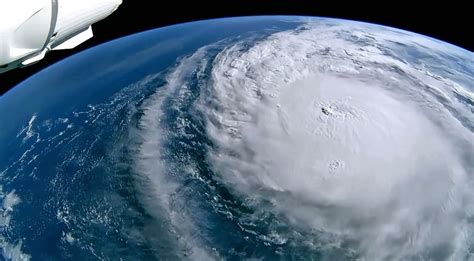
372, 167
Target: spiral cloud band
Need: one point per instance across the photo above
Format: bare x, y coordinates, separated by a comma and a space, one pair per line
349, 146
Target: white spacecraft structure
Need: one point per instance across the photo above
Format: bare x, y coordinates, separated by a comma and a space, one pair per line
31, 28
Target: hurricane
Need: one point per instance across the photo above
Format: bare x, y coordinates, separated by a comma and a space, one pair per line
327, 140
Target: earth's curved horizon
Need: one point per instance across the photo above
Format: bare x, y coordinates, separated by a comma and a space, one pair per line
264, 137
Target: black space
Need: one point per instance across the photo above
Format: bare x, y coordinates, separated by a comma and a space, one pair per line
445, 20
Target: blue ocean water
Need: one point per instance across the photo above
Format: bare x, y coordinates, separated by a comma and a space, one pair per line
69, 166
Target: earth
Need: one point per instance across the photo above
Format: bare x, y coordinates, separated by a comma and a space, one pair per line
266, 138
